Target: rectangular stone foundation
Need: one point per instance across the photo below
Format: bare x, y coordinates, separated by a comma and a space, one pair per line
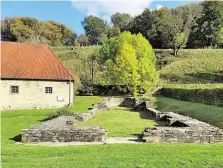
62, 129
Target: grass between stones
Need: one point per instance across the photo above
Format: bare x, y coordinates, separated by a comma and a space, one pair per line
207, 113
121, 121
96, 156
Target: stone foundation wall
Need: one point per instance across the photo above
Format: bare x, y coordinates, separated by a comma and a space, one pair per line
182, 135
63, 129
180, 128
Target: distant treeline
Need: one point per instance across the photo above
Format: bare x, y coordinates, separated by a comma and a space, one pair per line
195, 25
25, 29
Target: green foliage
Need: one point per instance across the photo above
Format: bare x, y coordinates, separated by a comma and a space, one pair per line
177, 26
60, 112
121, 20
94, 27
206, 94
20, 31
102, 38
205, 31
149, 24
82, 63
130, 61
27, 29
206, 113
83, 40
219, 37
113, 32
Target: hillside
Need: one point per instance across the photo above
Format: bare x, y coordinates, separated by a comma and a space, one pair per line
192, 66
195, 66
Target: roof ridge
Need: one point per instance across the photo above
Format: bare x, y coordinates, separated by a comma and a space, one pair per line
59, 61
16, 42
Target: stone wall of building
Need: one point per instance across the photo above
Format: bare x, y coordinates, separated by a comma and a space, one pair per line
63, 129
32, 94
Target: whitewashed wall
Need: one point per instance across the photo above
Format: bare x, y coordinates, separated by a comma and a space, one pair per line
32, 94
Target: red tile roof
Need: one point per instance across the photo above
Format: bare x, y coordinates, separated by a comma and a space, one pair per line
31, 61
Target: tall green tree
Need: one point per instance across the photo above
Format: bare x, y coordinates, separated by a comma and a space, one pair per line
113, 32
130, 60
149, 24
83, 40
20, 31
178, 24
121, 20
205, 31
94, 27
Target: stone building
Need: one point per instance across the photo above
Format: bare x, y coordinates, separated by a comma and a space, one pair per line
33, 77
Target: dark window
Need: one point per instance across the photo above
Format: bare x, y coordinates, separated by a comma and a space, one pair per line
14, 89
48, 90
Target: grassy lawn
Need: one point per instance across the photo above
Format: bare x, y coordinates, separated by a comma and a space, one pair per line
207, 113
82, 103
98, 156
121, 122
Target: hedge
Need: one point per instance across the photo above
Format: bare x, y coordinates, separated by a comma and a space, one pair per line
211, 96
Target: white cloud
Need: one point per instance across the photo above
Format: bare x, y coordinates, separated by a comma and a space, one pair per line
107, 8
158, 6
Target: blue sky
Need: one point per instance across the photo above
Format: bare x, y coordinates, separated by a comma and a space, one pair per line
71, 13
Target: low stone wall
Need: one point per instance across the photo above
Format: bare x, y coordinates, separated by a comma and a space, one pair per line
180, 129
63, 129
182, 135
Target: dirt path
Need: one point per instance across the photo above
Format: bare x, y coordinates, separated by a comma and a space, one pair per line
109, 140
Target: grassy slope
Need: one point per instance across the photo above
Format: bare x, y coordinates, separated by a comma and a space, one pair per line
191, 66
195, 66
121, 122
206, 113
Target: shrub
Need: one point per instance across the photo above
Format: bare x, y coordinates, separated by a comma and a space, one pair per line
206, 94
60, 112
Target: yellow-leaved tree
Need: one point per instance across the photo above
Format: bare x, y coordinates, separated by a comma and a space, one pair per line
129, 60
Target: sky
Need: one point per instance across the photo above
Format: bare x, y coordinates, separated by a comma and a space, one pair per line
72, 12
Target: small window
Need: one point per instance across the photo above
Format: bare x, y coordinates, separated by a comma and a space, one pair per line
14, 89
48, 90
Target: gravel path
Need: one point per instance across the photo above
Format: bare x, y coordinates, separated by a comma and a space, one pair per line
109, 140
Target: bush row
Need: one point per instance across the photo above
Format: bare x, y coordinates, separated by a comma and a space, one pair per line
212, 96
100, 90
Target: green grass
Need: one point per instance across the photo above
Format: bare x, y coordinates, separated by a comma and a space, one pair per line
207, 113
98, 156
121, 122
82, 103
195, 66
115, 156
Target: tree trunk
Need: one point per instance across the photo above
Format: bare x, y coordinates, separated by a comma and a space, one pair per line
175, 52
